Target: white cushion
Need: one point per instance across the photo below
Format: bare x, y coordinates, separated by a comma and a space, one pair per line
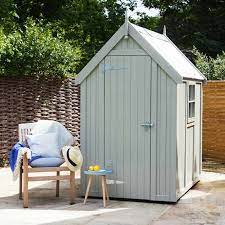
49, 126
45, 145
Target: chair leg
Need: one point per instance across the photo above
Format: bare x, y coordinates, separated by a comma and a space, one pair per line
88, 189
103, 191
20, 183
57, 184
72, 188
25, 181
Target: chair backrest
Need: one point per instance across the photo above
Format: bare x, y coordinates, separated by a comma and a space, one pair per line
25, 129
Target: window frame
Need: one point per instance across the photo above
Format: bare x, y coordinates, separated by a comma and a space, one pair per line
191, 101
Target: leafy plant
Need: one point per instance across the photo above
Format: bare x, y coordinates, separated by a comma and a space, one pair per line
3, 160
36, 51
213, 69
193, 22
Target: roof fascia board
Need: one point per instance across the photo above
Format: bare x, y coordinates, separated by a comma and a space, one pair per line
155, 55
194, 79
100, 54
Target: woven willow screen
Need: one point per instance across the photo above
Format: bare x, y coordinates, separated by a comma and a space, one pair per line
29, 99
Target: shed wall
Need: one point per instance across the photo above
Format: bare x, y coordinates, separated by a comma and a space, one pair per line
92, 122
138, 172
188, 139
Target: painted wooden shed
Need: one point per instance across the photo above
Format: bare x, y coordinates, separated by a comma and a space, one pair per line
141, 116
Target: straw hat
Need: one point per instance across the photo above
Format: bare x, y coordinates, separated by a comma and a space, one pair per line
73, 157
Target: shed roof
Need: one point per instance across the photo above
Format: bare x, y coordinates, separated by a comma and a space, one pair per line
158, 46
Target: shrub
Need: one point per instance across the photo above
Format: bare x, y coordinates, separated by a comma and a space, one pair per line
213, 69
219, 66
3, 160
36, 51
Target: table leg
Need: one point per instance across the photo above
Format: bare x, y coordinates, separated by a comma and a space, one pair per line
103, 190
88, 189
106, 189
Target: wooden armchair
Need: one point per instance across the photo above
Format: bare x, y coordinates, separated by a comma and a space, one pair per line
26, 170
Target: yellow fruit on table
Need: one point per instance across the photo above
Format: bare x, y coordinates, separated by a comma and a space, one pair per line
91, 168
97, 168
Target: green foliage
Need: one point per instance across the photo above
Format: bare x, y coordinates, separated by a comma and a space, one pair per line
213, 69
91, 23
87, 24
3, 160
8, 14
148, 22
191, 23
219, 66
35, 51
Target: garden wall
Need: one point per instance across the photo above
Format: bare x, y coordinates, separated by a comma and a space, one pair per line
28, 99
214, 121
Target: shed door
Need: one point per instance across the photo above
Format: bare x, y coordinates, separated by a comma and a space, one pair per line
127, 133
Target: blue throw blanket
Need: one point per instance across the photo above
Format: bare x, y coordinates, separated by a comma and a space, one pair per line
14, 155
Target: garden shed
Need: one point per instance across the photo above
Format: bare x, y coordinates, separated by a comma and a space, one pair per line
141, 116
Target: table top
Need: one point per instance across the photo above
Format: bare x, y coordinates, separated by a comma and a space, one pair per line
98, 173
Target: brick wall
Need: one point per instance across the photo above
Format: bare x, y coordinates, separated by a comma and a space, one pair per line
29, 99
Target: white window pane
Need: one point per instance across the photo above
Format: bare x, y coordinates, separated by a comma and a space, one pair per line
191, 92
191, 111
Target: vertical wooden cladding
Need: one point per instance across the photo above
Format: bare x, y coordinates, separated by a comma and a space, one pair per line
138, 91
92, 120
181, 136
197, 165
127, 93
114, 106
190, 132
188, 139
166, 140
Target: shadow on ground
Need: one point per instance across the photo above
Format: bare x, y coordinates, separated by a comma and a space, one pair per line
203, 204
45, 208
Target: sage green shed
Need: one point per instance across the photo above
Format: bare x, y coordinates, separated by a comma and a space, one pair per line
141, 116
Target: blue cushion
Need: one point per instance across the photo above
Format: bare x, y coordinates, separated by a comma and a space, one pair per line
47, 162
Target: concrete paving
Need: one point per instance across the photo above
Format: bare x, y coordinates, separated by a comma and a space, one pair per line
204, 204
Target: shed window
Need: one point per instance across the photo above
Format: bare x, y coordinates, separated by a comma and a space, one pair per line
191, 103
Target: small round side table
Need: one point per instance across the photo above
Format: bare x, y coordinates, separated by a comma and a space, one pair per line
102, 174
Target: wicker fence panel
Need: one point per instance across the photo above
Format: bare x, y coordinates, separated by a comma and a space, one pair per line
27, 100
214, 121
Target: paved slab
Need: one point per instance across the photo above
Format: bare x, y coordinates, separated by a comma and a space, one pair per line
45, 208
202, 205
